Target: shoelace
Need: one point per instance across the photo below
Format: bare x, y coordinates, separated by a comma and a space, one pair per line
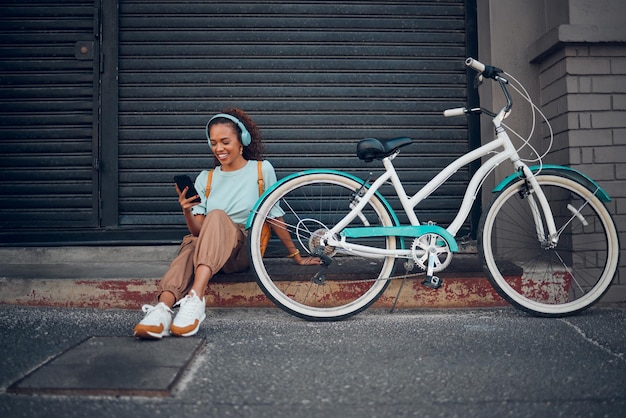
149, 308
193, 302
187, 299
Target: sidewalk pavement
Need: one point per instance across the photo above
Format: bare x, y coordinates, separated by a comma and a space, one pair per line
495, 362
63, 355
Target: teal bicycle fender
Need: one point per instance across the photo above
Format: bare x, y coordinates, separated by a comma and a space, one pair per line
274, 186
566, 172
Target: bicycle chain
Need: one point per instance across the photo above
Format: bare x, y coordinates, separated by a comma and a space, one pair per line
404, 276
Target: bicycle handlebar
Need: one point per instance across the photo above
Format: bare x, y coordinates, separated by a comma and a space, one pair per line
475, 64
459, 111
484, 70
488, 71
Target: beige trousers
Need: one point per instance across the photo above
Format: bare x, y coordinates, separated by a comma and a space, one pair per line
221, 245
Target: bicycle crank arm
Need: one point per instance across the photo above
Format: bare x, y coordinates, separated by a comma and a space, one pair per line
432, 281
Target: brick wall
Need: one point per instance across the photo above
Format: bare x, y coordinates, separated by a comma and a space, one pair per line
583, 93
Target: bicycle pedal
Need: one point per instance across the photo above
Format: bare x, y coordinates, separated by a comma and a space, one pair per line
433, 282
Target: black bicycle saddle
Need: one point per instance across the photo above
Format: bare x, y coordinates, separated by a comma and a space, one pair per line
369, 149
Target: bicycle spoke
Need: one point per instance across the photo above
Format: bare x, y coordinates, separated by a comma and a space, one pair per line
313, 203
557, 279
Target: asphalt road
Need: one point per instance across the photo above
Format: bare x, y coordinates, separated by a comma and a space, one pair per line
424, 363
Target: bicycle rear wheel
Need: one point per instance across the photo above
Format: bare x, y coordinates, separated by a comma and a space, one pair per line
313, 203
546, 281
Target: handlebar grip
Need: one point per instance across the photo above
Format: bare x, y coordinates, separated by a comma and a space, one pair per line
488, 71
475, 64
459, 111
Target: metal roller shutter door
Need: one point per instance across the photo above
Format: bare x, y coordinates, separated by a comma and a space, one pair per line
316, 76
47, 130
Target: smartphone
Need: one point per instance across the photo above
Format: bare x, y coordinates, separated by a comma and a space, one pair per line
185, 181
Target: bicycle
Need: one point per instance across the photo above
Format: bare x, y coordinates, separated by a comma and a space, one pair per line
547, 242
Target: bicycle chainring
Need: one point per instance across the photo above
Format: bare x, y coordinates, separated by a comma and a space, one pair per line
431, 244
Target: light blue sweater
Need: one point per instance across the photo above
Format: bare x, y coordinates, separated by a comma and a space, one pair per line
235, 192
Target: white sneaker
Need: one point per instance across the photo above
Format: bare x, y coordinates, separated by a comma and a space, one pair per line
156, 324
190, 315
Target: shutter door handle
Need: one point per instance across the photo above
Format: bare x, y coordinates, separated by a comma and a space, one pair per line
83, 50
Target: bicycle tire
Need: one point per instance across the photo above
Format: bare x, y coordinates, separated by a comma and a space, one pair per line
542, 281
315, 202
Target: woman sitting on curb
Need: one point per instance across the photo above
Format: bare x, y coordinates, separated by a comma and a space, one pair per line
217, 240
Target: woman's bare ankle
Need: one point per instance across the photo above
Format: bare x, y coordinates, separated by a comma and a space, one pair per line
167, 298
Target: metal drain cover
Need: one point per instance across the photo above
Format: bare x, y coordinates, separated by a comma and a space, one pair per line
119, 366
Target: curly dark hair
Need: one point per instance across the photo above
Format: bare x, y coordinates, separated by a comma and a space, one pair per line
256, 149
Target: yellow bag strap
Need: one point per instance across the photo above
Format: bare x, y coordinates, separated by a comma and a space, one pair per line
261, 184
260, 174
208, 184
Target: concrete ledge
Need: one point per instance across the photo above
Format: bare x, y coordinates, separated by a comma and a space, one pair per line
456, 292
126, 277
110, 256
572, 35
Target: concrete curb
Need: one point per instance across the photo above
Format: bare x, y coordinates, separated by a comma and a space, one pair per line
126, 277
457, 292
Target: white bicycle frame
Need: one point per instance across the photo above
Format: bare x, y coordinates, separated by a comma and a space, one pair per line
507, 151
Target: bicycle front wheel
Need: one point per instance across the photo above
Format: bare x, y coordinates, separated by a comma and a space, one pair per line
527, 271
313, 203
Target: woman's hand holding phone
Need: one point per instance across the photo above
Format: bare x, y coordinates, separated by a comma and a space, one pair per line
187, 196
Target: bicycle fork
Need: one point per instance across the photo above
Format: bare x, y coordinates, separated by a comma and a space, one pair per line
533, 193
